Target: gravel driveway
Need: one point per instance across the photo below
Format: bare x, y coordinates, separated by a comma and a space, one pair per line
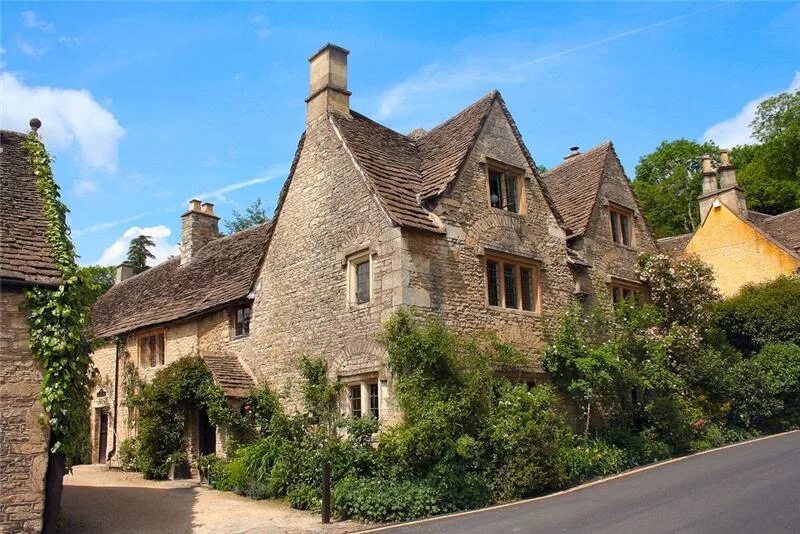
99, 500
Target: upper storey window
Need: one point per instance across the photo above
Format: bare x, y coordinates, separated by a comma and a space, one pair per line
359, 269
621, 227
241, 321
510, 284
151, 349
504, 190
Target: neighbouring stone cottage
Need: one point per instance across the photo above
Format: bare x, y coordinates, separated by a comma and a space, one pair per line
455, 222
742, 246
26, 260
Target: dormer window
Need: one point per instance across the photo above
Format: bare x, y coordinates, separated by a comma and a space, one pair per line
241, 321
621, 227
504, 190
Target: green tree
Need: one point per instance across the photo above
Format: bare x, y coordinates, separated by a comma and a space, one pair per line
769, 172
139, 252
253, 215
101, 279
668, 182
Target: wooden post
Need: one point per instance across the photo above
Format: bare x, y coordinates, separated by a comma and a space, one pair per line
326, 492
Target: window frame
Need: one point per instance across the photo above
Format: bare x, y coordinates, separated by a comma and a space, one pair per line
621, 213
161, 348
621, 287
364, 386
506, 172
234, 320
518, 265
353, 261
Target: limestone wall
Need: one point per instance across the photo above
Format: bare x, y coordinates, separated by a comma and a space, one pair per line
23, 441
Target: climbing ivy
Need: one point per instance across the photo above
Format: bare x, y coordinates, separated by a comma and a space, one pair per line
58, 319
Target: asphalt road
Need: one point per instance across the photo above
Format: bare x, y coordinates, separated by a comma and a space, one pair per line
753, 487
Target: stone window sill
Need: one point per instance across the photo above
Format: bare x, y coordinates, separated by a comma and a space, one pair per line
525, 313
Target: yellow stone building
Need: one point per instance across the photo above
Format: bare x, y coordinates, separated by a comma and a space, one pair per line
741, 245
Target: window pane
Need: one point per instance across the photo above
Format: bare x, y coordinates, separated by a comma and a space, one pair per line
511, 193
495, 192
493, 281
616, 295
151, 350
626, 229
510, 280
143, 355
355, 401
242, 322
615, 226
528, 295
373, 400
161, 349
362, 282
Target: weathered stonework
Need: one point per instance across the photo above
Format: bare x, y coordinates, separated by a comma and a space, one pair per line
23, 438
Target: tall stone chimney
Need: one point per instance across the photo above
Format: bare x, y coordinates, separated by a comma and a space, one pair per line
328, 84
199, 225
728, 192
124, 271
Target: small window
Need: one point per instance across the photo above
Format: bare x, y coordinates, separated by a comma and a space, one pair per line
360, 279
512, 285
620, 227
622, 293
241, 321
504, 191
364, 399
355, 400
151, 349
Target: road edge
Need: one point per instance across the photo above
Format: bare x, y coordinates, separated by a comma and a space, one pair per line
574, 488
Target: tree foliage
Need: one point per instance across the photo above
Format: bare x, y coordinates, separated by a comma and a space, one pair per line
139, 252
668, 182
101, 278
254, 214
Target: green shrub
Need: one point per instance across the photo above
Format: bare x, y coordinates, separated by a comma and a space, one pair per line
129, 454
763, 314
589, 459
640, 448
524, 437
765, 389
378, 500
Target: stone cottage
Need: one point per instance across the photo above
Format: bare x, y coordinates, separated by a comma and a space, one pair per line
455, 222
741, 245
26, 260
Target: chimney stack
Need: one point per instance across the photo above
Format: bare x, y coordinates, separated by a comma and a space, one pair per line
328, 83
124, 271
709, 176
728, 192
199, 226
573, 151
726, 171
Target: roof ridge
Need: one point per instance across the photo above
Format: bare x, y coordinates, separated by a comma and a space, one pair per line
604, 145
494, 93
778, 215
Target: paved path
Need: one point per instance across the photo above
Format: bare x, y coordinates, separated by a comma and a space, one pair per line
752, 487
97, 500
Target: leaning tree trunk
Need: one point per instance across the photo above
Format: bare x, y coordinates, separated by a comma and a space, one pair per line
588, 418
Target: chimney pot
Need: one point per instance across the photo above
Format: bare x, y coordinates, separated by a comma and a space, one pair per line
208, 208
194, 205
724, 157
199, 226
573, 151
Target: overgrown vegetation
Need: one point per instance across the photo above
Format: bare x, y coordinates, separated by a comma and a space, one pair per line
253, 214
58, 319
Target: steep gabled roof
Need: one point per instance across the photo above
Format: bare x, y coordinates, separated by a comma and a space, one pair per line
674, 245
219, 274
230, 373
403, 171
574, 184
26, 256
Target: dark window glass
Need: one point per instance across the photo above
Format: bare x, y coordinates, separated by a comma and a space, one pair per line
495, 189
528, 297
511, 193
160, 348
626, 229
362, 282
493, 280
615, 226
616, 294
242, 322
355, 401
153, 351
510, 280
373, 400
143, 352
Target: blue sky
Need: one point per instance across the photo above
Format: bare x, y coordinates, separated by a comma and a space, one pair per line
146, 105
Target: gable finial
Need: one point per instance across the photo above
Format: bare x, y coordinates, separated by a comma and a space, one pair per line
35, 124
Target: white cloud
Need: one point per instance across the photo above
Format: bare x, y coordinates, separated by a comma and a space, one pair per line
99, 227
30, 20
219, 194
68, 116
84, 186
117, 252
30, 49
736, 130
